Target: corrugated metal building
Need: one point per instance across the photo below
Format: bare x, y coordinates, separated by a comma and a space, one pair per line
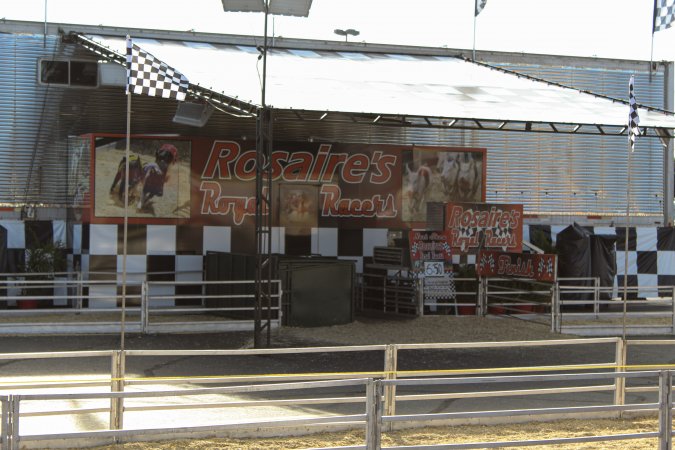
558, 177
558, 170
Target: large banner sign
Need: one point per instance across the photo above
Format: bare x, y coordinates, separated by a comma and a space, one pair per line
203, 181
159, 178
352, 183
490, 226
429, 246
540, 267
433, 174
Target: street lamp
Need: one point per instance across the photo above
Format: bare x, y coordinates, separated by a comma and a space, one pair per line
263, 166
346, 33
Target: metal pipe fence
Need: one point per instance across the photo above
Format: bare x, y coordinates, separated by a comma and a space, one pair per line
392, 381
373, 419
77, 305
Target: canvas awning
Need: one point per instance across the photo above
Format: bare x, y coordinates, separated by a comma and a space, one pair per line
409, 90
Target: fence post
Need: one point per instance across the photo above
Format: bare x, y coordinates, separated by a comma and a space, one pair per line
596, 296
144, 307
558, 310
13, 413
280, 295
384, 293
5, 425
620, 382
117, 385
554, 302
373, 414
361, 290
419, 283
482, 296
390, 368
78, 291
665, 409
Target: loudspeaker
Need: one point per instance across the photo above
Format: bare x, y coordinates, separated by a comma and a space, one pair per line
110, 74
194, 114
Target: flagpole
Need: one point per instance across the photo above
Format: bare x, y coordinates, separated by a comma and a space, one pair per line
651, 58
473, 51
625, 248
633, 132
126, 220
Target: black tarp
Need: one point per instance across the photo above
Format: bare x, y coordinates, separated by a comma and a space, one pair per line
603, 261
573, 245
574, 252
582, 254
4, 265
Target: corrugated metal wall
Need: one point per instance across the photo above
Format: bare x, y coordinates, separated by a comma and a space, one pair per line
32, 146
587, 175
552, 175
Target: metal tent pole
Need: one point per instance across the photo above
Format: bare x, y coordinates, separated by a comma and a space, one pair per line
263, 213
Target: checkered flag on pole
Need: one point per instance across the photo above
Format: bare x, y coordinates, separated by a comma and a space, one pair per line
480, 4
147, 75
633, 117
664, 14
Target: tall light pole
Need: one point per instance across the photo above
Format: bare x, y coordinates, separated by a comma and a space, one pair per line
346, 33
263, 172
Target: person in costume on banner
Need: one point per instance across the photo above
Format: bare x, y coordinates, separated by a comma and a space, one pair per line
153, 182
168, 155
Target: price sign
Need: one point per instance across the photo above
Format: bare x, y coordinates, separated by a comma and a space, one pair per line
434, 269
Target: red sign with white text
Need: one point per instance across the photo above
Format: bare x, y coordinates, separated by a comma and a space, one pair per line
360, 182
428, 246
490, 226
204, 181
540, 267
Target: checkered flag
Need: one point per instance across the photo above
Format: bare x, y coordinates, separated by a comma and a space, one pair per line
664, 14
633, 117
480, 4
148, 75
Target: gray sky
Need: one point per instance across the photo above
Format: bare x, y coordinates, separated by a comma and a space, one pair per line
604, 28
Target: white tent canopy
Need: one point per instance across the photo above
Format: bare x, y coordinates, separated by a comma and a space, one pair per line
386, 84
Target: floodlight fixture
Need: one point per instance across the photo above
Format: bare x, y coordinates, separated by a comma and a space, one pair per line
346, 33
298, 8
244, 5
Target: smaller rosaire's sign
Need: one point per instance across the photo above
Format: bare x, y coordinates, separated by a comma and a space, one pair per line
540, 267
490, 226
428, 246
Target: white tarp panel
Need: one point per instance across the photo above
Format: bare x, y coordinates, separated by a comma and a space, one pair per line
442, 87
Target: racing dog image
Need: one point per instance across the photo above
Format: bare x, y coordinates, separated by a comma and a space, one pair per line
430, 175
135, 176
159, 178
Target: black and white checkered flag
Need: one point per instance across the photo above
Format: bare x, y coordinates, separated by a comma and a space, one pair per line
664, 14
633, 117
480, 4
148, 75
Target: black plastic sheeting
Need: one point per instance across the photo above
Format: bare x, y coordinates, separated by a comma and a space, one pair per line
603, 260
4, 264
582, 254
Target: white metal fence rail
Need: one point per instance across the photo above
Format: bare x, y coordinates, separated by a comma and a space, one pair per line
572, 305
373, 418
151, 307
388, 381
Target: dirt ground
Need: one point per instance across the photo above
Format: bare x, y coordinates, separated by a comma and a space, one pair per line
420, 330
438, 435
427, 329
